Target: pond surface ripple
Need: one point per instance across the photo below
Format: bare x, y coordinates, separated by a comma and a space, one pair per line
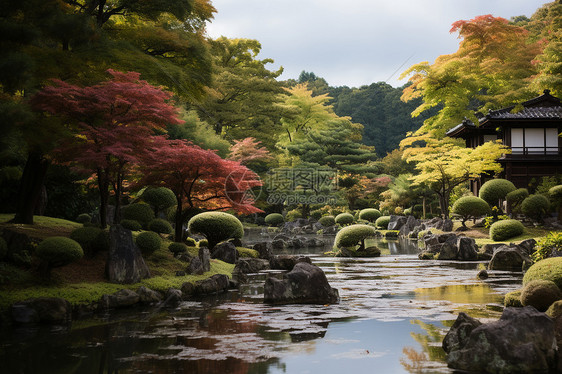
393, 313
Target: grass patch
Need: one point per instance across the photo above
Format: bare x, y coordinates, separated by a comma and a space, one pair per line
43, 227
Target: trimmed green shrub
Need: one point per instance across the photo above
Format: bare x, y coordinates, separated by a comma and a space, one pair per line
190, 242
203, 243
58, 251
513, 299
316, 214
139, 212
159, 198
555, 310
274, 219
353, 235
344, 219
3, 248
494, 190
515, 198
506, 229
540, 293
293, 215
176, 248
547, 269
408, 211
369, 214
383, 222
131, 224
470, 207
535, 207
545, 246
84, 218
555, 194
148, 242
160, 226
91, 239
216, 226
327, 221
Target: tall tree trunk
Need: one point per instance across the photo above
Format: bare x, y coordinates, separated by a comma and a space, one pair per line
118, 193
178, 232
31, 185
103, 185
423, 207
444, 204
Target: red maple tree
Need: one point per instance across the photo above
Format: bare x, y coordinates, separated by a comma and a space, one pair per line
113, 123
200, 179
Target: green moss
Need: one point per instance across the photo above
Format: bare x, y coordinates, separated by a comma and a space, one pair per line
247, 252
43, 227
369, 214
506, 229
547, 269
513, 299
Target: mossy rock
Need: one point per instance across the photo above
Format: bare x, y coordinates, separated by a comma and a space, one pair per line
190, 242
247, 252
382, 222
513, 299
369, 214
327, 221
274, 219
353, 235
540, 293
160, 226
547, 269
216, 226
59, 251
148, 242
506, 229
344, 219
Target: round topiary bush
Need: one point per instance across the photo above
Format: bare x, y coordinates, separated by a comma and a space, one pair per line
494, 190
190, 242
58, 251
159, 198
216, 226
512, 299
3, 248
547, 269
515, 198
160, 226
506, 229
327, 221
91, 239
141, 213
353, 235
274, 219
535, 207
84, 218
369, 214
148, 242
540, 293
344, 219
470, 207
316, 214
383, 222
131, 224
177, 248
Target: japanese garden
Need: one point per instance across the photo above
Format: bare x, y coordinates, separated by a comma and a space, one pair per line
170, 204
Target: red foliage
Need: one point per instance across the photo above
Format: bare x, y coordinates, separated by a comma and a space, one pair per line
248, 150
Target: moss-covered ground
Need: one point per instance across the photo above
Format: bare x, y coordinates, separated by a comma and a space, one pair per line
83, 282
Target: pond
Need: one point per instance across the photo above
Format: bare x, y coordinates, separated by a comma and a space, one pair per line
393, 314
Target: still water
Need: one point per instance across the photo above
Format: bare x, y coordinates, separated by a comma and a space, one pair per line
393, 314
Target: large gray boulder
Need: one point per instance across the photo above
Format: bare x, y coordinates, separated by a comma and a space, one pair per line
201, 263
217, 283
458, 335
42, 309
467, 249
286, 262
264, 249
225, 251
521, 341
396, 222
251, 265
305, 284
509, 258
125, 264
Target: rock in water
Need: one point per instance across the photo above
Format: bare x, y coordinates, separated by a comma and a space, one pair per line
42, 309
521, 341
125, 264
305, 284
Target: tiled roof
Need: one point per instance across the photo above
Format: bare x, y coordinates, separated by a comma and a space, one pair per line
461, 126
550, 112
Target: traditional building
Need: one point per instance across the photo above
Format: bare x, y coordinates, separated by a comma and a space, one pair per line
532, 132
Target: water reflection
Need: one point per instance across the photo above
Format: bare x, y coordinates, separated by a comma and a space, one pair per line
393, 312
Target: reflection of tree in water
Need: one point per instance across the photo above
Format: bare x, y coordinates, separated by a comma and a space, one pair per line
431, 352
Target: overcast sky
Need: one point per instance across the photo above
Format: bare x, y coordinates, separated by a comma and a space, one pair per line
354, 42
